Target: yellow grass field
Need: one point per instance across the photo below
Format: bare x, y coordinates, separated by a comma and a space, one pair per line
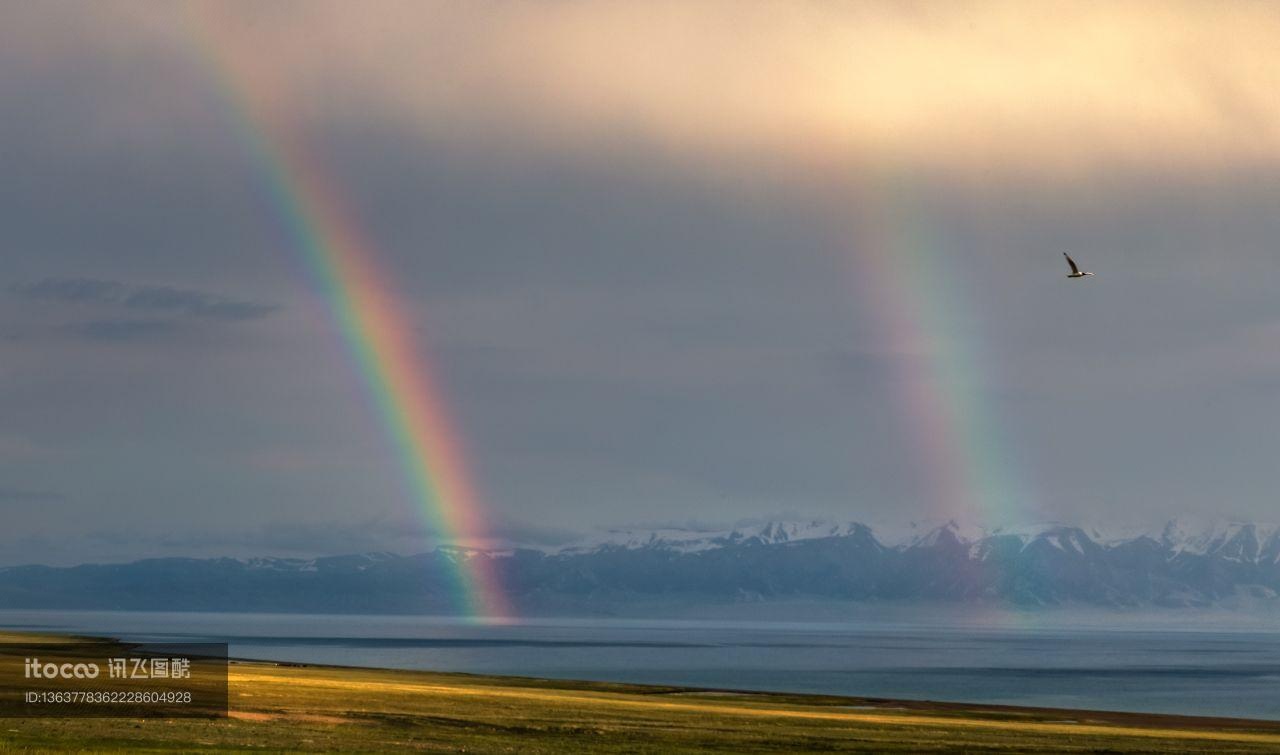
283, 708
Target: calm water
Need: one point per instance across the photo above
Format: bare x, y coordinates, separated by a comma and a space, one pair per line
1230, 673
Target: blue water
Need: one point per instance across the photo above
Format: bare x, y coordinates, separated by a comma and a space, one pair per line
1197, 672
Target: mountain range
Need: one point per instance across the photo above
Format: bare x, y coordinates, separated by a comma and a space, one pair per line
1176, 565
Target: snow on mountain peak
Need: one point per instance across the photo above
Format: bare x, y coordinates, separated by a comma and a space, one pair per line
692, 539
1237, 540
1232, 540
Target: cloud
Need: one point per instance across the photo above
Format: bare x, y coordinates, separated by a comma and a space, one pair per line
316, 538
195, 304
309, 538
124, 330
989, 88
159, 299
21, 496
73, 290
615, 333
534, 535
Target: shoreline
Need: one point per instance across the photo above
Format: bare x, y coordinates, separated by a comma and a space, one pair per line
1119, 718
301, 706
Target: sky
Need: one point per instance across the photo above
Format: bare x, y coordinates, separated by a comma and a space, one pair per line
668, 262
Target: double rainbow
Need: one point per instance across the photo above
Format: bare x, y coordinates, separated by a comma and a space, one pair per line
900, 268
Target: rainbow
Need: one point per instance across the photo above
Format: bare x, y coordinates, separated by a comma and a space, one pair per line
968, 469
343, 264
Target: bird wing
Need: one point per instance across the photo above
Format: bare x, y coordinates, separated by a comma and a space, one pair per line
1071, 262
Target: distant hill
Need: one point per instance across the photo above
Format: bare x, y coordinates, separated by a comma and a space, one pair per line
1177, 565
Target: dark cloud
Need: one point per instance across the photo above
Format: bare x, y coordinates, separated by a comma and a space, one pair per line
274, 537
195, 304
160, 299
533, 535
21, 496
125, 330
617, 334
74, 290
396, 533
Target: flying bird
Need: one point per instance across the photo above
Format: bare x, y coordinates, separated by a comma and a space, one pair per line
1075, 271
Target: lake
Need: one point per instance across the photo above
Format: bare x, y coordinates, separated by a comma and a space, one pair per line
1220, 672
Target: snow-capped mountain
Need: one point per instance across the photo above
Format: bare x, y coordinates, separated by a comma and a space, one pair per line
1245, 542
692, 539
1179, 563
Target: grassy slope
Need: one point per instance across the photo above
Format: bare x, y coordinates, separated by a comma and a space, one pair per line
315, 708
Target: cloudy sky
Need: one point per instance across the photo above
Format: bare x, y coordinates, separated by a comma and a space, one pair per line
669, 261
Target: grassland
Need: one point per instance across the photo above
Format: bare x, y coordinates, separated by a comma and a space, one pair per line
280, 708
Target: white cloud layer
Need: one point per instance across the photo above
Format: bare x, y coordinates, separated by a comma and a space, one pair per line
987, 88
